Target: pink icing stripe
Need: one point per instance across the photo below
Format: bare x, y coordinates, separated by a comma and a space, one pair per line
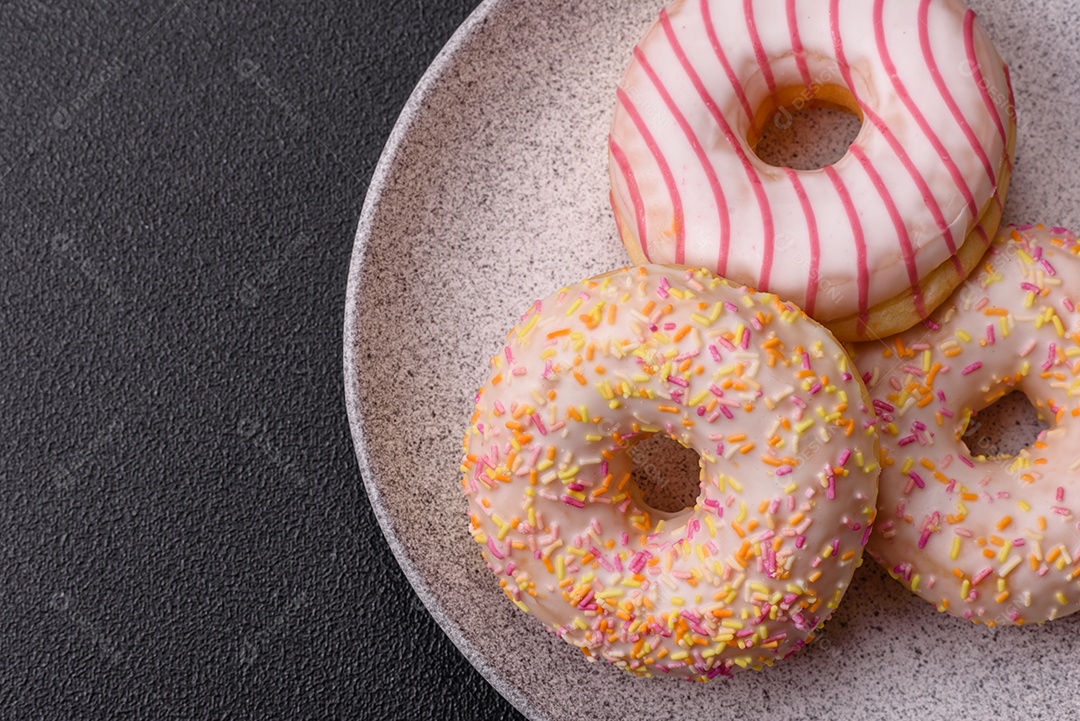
759, 49
815, 249
635, 194
890, 138
710, 172
665, 169
935, 73
913, 108
976, 71
710, 29
860, 244
796, 44
898, 225
751, 174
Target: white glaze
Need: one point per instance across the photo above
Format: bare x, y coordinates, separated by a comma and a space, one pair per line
660, 350
833, 259
933, 494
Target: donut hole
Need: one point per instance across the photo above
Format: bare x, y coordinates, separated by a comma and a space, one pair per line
1004, 428
667, 473
805, 129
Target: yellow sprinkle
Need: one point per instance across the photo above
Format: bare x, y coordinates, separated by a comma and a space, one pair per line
1060, 598
954, 552
802, 426
677, 601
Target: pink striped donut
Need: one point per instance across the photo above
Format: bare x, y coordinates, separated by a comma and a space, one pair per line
869, 245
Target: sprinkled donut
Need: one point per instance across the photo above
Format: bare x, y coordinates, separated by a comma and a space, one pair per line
788, 448
996, 539
869, 245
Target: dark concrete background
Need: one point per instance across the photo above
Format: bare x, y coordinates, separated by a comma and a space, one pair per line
183, 528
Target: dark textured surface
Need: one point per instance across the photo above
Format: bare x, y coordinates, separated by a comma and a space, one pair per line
183, 529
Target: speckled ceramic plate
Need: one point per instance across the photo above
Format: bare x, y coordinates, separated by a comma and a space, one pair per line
493, 192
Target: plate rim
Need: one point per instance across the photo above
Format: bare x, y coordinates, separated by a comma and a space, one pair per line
352, 330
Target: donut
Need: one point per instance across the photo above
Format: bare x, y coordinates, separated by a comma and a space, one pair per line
788, 454
867, 246
991, 539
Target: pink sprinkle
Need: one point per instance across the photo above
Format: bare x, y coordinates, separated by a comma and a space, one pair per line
509, 355
931, 324
1068, 305
948, 414
799, 402
510, 569
1061, 511
1060, 494
924, 538
844, 456
603, 468
539, 424
678, 381
917, 478
981, 576
726, 343
625, 538
746, 339
701, 410
815, 389
727, 413
990, 339
575, 487
1031, 286
715, 353
1047, 267
799, 541
881, 405
971, 368
662, 289
906, 441
731, 306
499, 407
830, 491
571, 501
1051, 356
494, 551
1018, 542
784, 470
806, 361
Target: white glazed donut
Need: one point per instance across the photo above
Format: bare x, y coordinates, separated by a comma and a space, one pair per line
788, 448
992, 539
867, 246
